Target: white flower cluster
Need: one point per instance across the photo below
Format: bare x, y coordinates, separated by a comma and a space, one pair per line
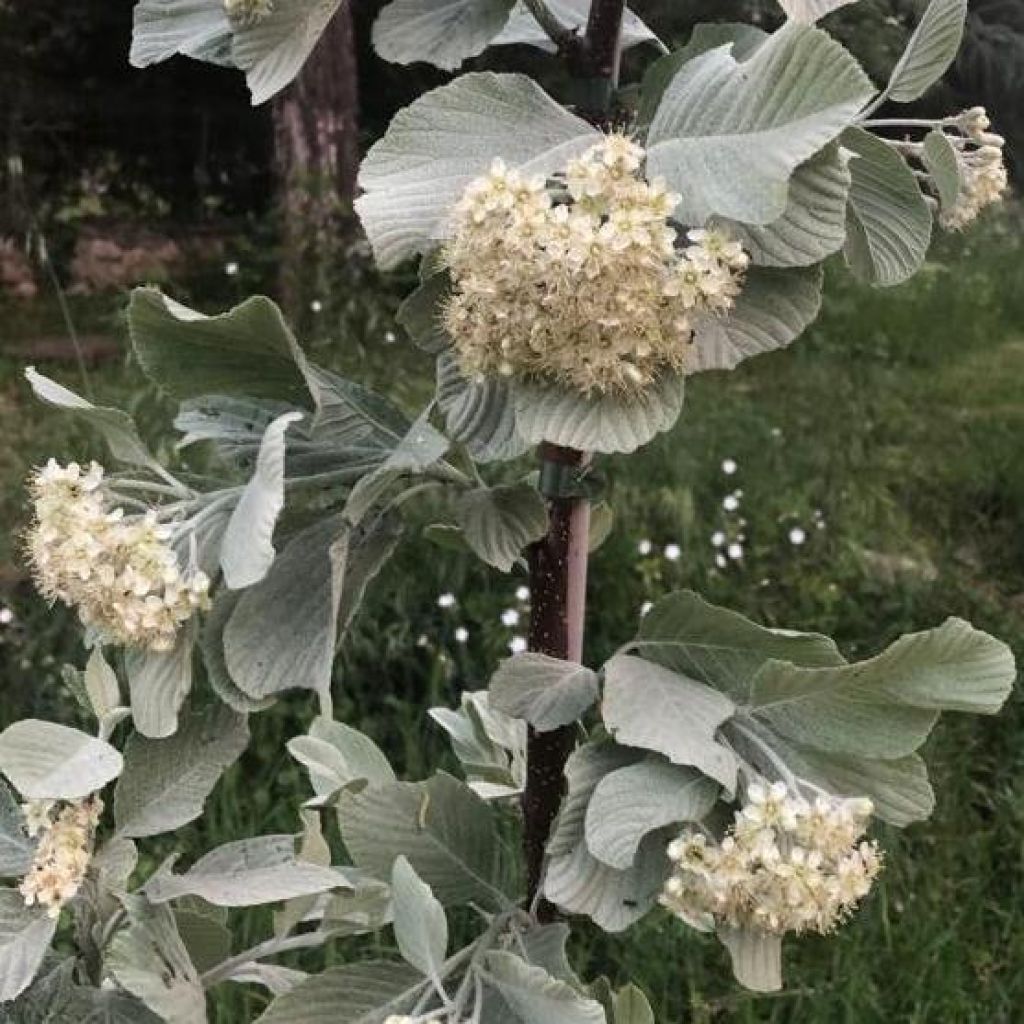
785, 865
115, 569
982, 170
66, 833
248, 12
581, 283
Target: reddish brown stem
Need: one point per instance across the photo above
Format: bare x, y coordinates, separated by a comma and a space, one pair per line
558, 583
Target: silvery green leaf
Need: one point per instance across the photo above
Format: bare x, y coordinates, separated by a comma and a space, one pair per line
929, 52
437, 145
546, 692
420, 313
630, 803
282, 632
608, 423
336, 755
885, 706
478, 413
207, 938
499, 522
101, 684
47, 1000
720, 647
46, 761
772, 311
353, 416
813, 225
113, 864
545, 946
602, 522
195, 28
16, 849
756, 958
212, 647
941, 162
535, 996
272, 50
490, 745
888, 224
103, 1006
441, 826
898, 787
246, 873
743, 39
276, 979
166, 781
247, 550
648, 706
421, 448
360, 993
315, 849
728, 136
523, 29
116, 426
25, 935
366, 908
247, 351
440, 32
807, 12
632, 1007
421, 928
575, 879
158, 683
149, 960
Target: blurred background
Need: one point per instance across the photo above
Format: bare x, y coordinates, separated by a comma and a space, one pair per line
866, 482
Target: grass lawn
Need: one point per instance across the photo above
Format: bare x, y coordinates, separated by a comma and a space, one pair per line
878, 488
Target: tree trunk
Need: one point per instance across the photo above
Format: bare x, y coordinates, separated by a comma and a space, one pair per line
316, 143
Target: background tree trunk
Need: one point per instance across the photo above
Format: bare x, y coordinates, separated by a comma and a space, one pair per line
316, 144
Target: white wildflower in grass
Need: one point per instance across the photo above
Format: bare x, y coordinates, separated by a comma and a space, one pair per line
446, 601
731, 503
6, 616
644, 548
248, 12
729, 467
581, 279
523, 594
231, 269
721, 561
718, 538
510, 617
983, 174
645, 608
673, 552
316, 306
66, 832
797, 536
785, 865
461, 635
518, 645
116, 570
735, 551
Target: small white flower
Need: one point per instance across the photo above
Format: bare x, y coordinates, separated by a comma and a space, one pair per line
510, 617
645, 608
517, 645
730, 503
446, 600
461, 634
729, 467
645, 547
389, 338
735, 551
231, 269
673, 552
316, 306
797, 536
718, 538
523, 594
721, 561
6, 616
